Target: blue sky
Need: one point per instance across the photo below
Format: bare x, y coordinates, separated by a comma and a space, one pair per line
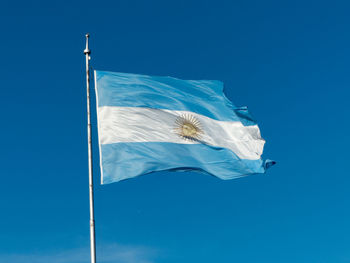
288, 61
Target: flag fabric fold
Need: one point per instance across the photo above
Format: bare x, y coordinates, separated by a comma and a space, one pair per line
149, 124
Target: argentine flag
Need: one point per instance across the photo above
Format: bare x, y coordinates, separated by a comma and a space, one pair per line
149, 124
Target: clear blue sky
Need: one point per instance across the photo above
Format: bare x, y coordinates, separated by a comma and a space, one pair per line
288, 61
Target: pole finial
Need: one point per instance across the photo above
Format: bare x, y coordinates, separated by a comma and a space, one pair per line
87, 50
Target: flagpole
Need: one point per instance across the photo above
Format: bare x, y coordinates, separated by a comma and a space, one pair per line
91, 182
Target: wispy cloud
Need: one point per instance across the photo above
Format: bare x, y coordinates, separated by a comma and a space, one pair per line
112, 253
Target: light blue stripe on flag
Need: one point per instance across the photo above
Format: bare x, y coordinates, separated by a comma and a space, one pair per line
126, 160
204, 97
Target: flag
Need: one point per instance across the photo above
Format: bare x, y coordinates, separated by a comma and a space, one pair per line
150, 124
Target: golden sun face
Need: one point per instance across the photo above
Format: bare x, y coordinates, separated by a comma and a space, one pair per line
188, 127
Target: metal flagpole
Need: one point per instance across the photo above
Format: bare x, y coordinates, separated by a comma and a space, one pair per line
91, 183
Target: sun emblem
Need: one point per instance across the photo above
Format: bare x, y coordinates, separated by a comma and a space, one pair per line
188, 127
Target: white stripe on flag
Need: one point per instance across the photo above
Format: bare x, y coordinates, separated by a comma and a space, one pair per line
136, 124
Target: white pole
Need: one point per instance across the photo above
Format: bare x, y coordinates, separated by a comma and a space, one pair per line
91, 183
